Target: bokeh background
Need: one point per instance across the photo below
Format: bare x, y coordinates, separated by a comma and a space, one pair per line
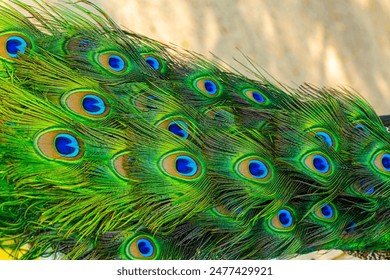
322, 42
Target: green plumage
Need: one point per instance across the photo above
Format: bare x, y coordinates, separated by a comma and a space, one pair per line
114, 146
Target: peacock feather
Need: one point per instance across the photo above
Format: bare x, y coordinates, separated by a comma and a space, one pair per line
116, 146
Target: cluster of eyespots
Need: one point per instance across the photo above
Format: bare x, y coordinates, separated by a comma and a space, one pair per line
208, 86
255, 96
325, 137
253, 168
177, 126
349, 228
318, 163
113, 62
86, 103
363, 187
141, 248
13, 44
59, 144
155, 62
283, 220
326, 213
120, 163
381, 161
181, 165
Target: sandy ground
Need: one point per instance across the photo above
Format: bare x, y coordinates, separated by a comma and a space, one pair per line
323, 42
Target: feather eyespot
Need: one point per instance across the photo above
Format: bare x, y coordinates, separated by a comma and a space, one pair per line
326, 213
86, 103
66, 145
221, 114
146, 102
363, 187
318, 163
120, 163
186, 166
79, 45
181, 165
208, 86
155, 62
381, 162
225, 210
141, 248
254, 168
325, 137
177, 126
349, 228
93, 104
255, 96
361, 127
13, 44
283, 220
113, 62
59, 145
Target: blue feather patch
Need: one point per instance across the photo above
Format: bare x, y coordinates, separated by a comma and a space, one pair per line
15, 45
67, 145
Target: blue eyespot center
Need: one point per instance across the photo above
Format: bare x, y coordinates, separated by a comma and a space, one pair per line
362, 128
145, 247
386, 162
285, 218
211, 87
321, 164
153, 62
327, 211
15, 45
66, 145
234, 210
369, 190
258, 97
93, 104
116, 63
186, 166
366, 188
324, 137
84, 44
179, 128
350, 228
257, 169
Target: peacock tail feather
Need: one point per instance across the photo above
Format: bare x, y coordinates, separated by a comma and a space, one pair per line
115, 146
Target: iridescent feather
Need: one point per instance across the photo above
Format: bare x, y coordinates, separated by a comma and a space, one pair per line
115, 146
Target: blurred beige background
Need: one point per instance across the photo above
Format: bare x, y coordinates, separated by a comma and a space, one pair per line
323, 42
